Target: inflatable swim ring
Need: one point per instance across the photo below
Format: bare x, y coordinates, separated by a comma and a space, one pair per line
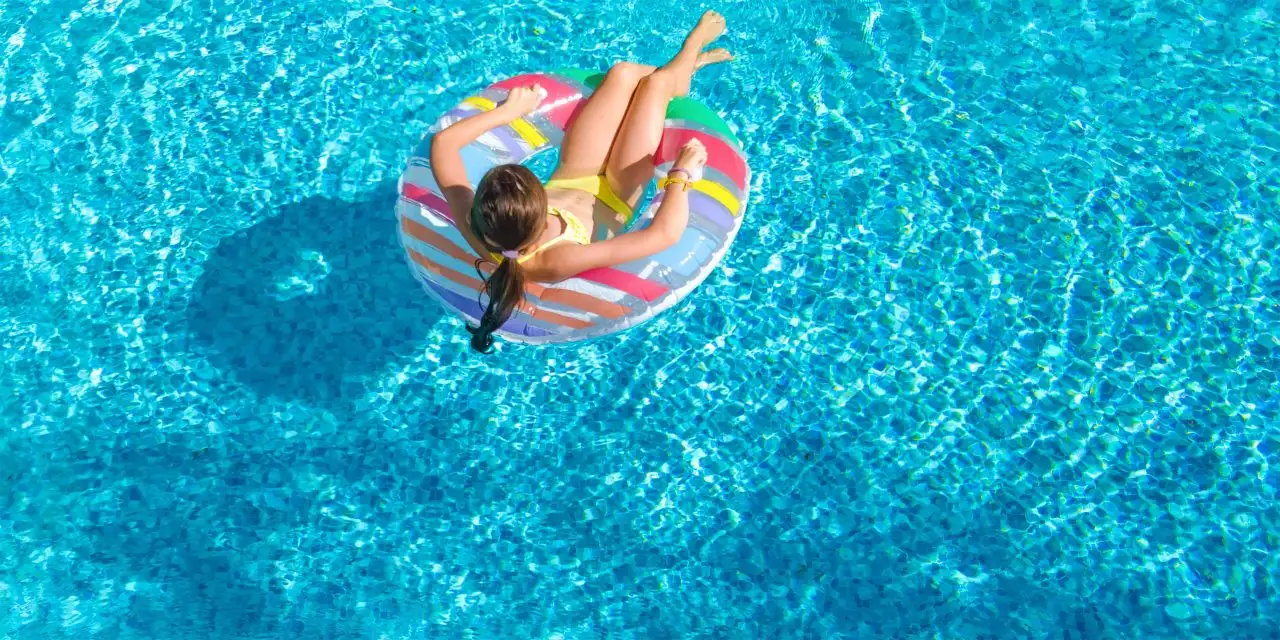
599, 301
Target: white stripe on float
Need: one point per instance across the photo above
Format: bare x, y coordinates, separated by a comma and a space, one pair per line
469, 269
420, 175
608, 294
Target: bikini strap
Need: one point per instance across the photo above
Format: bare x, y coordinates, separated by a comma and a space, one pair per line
572, 225
573, 231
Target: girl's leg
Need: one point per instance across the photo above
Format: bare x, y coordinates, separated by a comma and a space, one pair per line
586, 144
630, 163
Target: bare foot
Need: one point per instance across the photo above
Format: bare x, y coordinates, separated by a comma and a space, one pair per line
711, 57
709, 28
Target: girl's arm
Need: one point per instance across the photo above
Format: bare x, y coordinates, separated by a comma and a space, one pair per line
446, 154
665, 230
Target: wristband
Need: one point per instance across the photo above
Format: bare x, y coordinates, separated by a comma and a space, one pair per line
666, 182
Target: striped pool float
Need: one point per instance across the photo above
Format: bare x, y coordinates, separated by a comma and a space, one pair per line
599, 301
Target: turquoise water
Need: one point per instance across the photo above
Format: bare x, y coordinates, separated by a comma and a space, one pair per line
993, 356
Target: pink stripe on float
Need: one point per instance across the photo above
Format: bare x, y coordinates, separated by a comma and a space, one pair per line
567, 99
427, 198
720, 156
627, 282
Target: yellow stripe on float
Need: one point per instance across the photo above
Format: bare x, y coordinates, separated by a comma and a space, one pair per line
485, 104
529, 132
713, 189
522, 127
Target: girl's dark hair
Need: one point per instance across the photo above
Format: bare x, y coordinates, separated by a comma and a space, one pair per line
509, 213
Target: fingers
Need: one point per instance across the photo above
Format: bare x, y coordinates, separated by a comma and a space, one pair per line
527, 99
692, 158
695, 151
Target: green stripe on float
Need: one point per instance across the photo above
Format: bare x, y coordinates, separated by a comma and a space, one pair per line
591, 79
690, 109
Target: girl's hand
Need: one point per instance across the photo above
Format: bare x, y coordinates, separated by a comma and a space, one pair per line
523, 101
692, 157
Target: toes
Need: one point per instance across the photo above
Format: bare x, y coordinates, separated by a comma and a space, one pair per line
712, 18
713, 56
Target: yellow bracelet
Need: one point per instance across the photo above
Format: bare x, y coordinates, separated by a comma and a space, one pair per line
666, 182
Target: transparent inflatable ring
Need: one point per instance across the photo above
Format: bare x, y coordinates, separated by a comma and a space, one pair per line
596, 302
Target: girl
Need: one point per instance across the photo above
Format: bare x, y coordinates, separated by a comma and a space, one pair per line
544, 233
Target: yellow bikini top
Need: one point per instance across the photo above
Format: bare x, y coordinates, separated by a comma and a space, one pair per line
574, 231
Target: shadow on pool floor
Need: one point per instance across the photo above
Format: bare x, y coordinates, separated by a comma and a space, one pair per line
311, 298
233, 541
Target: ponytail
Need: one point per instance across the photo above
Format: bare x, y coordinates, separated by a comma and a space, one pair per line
505, 288
509, 211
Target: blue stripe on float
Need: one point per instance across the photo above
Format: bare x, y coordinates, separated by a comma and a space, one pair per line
477, 161
477, 158
690, 253
472, 308
463, 111
704, 205
459, 303
705, 212
509, 141
515, 150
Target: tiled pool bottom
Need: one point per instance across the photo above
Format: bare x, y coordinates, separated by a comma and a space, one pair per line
993, 356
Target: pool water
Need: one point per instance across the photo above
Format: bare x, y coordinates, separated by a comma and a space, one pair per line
994, 355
